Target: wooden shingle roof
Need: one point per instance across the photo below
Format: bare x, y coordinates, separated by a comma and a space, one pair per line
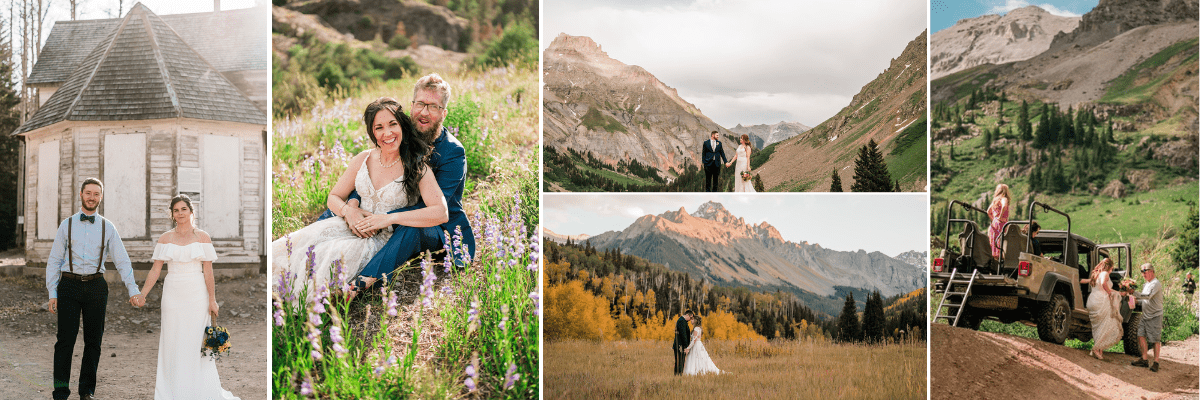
233, 40
144, 70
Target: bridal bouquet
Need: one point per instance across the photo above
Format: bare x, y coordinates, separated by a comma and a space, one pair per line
746, 176
1128, 286
216, 342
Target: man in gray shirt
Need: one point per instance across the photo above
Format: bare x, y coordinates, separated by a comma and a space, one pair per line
1150, 330
75, 280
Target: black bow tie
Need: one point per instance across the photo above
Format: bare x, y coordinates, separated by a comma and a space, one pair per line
88, 218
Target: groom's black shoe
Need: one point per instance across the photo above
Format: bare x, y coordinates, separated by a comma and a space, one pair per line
87, 397
1140, 363
1154, 368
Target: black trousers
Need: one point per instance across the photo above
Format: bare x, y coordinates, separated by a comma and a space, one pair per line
711, 173
680, 357
75, 299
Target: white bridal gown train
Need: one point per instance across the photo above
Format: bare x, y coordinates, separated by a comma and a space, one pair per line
697, 361
1102, 309
743, 163
182, 372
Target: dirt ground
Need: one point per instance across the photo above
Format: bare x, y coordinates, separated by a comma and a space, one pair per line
987, 365
130, 349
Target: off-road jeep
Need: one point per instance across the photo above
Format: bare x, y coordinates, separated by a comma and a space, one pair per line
1041, 290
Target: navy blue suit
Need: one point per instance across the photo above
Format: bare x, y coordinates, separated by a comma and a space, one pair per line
712, 168
448, 162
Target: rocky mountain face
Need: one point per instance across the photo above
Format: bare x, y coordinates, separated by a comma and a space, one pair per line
1112, 17
725, 250
550, 235
919, 259
594, 103
764, 135
366, 20
881, 110
994, 39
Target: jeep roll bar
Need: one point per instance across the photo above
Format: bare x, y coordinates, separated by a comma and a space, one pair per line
1068, 244
969, 222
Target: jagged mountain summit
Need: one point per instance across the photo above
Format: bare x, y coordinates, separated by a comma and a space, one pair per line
881, 110
550, 235
764, 135
919, 259
994, 39
594, 103
724, 249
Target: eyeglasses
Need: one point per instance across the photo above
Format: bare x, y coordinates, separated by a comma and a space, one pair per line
419, 106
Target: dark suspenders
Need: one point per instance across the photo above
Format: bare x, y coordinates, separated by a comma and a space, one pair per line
103, 231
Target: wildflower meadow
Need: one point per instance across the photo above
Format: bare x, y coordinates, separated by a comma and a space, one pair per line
445, 325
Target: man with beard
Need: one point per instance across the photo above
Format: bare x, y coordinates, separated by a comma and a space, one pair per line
448, 162
75, 279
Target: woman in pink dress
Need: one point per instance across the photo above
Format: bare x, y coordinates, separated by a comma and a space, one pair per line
998, 212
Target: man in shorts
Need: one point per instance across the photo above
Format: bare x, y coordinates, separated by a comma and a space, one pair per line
1150, 330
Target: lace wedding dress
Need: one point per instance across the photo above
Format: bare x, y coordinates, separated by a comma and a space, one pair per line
698, 362
333, 240
1103, 312
743, 164
182, 372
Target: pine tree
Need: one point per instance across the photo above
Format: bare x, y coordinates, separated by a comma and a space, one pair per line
873, 318
870, 170
848, 329
836, 185
1023, 126
9, 148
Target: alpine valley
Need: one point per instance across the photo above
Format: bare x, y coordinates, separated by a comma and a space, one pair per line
719, 248
609, 126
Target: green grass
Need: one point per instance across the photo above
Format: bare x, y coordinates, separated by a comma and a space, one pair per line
1125, 90
614, 176
906, 161
966, 81
594, 119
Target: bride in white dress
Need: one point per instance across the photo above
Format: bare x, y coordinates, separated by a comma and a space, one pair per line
698, 362
188, 302
356, 233
1103, 305
742, 157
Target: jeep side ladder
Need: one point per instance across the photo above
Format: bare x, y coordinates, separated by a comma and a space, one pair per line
949, 291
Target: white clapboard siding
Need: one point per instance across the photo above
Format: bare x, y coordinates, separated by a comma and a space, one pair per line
220, 171
47, 207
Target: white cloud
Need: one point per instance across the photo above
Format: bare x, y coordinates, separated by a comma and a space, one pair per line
726, 55
1010, 5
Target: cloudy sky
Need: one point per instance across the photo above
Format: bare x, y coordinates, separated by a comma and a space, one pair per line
890, 224
757, 62
944, 13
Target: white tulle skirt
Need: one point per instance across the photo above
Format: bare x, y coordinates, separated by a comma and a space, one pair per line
698, 362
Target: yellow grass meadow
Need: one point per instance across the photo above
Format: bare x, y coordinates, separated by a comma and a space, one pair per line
578, 369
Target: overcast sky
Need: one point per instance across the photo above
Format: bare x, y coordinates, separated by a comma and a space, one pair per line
944, 13
756, 62
891, 224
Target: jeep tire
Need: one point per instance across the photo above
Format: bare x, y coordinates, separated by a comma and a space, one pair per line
971, 318
1130, 337
1054, 320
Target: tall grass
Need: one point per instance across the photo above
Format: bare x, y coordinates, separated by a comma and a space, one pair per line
813, 369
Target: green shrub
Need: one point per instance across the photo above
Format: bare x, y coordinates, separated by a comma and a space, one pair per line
400, 42
463, 122
517, 46
315, 70
595, 119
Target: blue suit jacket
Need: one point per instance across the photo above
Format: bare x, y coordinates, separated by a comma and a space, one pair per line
448, 162
710, 155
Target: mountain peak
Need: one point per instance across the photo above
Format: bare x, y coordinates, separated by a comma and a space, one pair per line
714, 211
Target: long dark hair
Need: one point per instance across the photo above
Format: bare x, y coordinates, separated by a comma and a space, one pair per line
414, 151
186, 200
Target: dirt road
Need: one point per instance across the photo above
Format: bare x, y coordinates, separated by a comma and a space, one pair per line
130, 351
985, 365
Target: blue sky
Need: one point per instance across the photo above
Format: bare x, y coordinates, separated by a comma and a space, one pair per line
944, 13
891, 224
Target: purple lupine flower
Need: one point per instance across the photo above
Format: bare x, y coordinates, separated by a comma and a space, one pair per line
391, 304
306, 388
427, 284
278, 314
535, 250
311, 256
341, 351
504, 318
473, 313
536, 305
510, 377
289, 245
471, 377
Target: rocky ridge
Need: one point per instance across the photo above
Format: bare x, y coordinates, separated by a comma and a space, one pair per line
994, 39
881, 110
724, 249
764, 135
594, 103
552, 236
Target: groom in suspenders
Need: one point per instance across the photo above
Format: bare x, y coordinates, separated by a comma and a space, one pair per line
75, 279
